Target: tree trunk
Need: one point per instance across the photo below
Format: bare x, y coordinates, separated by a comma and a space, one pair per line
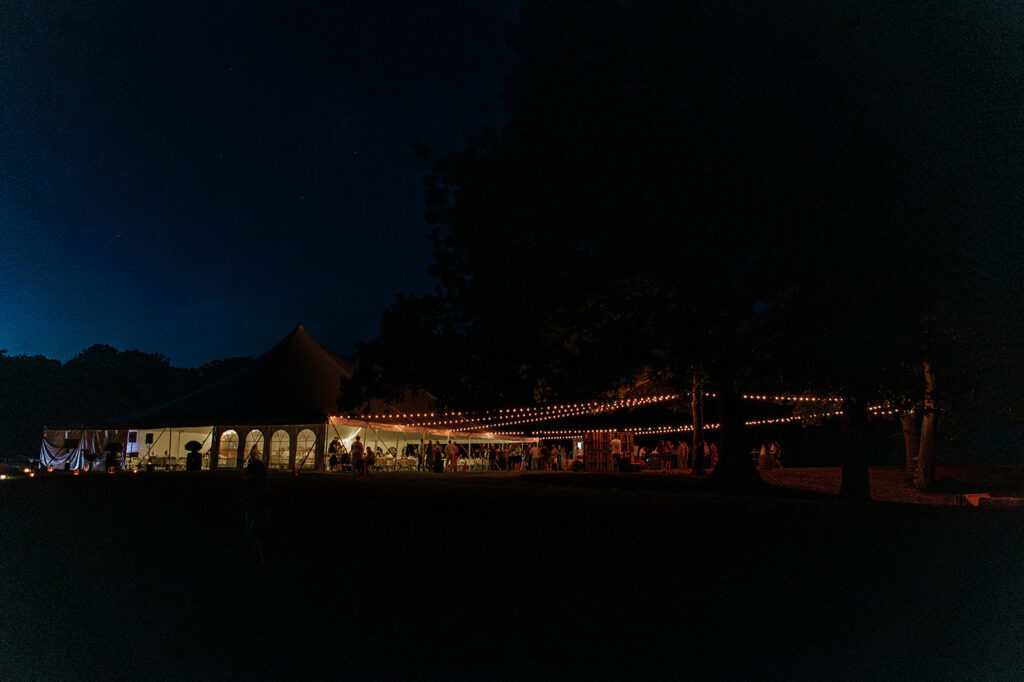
911, 441
697, 405
855, 486
924, 477
735, 469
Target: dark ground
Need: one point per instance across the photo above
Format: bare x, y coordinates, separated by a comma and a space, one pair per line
469, 577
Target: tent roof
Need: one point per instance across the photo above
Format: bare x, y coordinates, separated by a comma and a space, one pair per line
295, 382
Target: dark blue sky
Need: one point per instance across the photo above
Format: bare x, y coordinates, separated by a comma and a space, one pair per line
193, 179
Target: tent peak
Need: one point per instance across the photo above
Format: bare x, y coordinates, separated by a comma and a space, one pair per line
295, 382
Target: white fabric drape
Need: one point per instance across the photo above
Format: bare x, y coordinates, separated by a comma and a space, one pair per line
54, 450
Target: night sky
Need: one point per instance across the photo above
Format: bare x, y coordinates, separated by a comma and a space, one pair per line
193, 179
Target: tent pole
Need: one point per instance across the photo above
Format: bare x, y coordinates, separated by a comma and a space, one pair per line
210, 436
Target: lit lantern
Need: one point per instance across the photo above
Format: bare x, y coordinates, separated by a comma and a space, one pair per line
50, 468
26, 470
135, 470
76, 472
31, 474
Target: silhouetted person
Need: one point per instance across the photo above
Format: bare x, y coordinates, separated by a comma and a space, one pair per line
438, 459
255, 507
532, 455
113, 461
334, 450
358, 457
452, 453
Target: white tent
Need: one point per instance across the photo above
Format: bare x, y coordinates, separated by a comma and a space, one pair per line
283, 407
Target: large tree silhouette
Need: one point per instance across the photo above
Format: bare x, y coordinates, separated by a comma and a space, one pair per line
802, 198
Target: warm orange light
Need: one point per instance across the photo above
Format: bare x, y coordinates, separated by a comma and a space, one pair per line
26, 470
31, 474
50, 468
76, 472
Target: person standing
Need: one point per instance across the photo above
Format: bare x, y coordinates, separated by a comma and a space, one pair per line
532, 456
256, 510
670, 456
616, 453
334, 450
359, 457
659, 454
452, 454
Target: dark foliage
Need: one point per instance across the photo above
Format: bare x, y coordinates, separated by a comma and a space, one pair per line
814, 199
99, 384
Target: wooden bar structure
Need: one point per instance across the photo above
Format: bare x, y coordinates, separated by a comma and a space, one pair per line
597, 450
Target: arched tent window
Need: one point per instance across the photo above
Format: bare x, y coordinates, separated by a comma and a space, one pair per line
305, 450
228, 451
255, 440
280, 449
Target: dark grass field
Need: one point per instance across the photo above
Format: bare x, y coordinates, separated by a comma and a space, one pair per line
499, 577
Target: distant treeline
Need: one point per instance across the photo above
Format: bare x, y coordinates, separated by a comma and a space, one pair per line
99, 384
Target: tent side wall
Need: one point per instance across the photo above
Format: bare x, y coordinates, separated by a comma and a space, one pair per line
301, 449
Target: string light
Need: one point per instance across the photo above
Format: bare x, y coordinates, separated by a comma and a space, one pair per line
386, 415
527, 415
790, 398
646, 431
589, 406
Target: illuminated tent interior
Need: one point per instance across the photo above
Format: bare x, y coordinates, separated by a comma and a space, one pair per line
283, 406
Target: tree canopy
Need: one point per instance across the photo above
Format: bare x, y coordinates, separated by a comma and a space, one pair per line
800, 199
99, 384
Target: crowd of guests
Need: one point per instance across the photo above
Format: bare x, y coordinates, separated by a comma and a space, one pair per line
681, 455
665, 455
771, 455
454, 456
